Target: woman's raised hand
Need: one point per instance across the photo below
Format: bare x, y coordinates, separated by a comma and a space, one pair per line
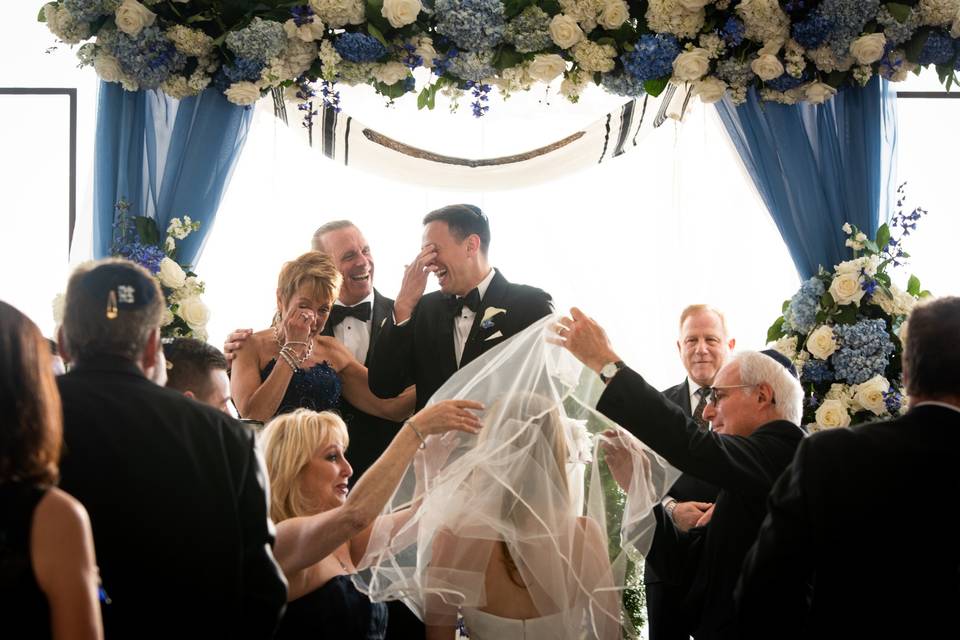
448, 415
298, 324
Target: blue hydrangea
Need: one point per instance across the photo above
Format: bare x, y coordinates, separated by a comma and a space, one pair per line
863, 350
243, 69
938, 49
471, 24
529, 31
652, 57
472, 65
622, 84
801, 313
359, 47
812, 32
90, 10
260, 40
149, 57
733, 31
893, 400
848, 18
816, 371
735, 72
146, 255
897, 32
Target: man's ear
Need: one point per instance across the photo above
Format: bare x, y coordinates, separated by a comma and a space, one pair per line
765, 393
732, 344
149, 357
189, 394
473, 244
62, 345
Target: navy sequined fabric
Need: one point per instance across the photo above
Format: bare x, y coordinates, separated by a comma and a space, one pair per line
317, 388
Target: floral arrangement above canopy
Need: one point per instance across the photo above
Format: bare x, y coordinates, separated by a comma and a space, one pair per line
789, 50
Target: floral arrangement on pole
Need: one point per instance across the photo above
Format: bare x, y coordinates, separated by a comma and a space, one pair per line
842, 330
138, 239
788, 50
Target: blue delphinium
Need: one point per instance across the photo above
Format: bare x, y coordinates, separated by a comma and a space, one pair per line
259, 40
863, 350
471, 24
848, 18
801, 313
733, 31
90, 10
481, 98
149, 58
622, 84
146, 255
785, 81
938, 49
816, 371
893, 400
652, 57
812, 32
302, 15
472, 65
359, 47
529, 31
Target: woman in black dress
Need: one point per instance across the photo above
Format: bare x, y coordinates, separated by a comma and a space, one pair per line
48, 573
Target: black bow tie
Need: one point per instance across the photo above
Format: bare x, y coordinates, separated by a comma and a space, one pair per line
339, 312
470, 301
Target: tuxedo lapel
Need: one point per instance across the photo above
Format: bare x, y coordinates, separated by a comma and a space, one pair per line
495, 296
382, 309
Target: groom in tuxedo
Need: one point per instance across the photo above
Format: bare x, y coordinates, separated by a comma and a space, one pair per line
429, 337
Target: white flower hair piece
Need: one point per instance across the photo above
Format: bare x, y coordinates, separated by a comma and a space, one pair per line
580, 441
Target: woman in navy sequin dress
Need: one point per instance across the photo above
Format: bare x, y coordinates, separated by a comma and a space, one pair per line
291, 366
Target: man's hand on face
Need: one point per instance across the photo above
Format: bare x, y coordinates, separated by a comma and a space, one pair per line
585, 339
687, 515
414, 282
235, 342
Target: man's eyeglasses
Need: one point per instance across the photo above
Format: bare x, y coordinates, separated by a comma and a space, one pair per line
719, 393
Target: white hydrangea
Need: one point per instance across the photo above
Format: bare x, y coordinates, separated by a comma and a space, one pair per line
423, 48
787, 345
573, 85
390, 72
178, 88
338, 13
938, 13
592, 56
841, 392
670, 16
585, 12
862, 74
191, 42
713, 44
299, 56
354, 73
63, 25
513, 79
764, 21
737, 93
900, 304
794, 59
793, 96
308, 32
825, 61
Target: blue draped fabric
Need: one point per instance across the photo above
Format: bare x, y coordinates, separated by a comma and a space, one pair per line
167, 158
818, 166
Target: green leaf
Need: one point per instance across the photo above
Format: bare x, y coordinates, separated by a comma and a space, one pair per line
871, 246
913, 48
147, 230
423, 97
913, 285
551, 7
899, 11
826, 300
42, 16
883, 279
512, 8
506, 57
392, 91
883, 236
655, 87
848, 314
376, 33
775, 332
925, 294
836, 79
375, 20
785, 306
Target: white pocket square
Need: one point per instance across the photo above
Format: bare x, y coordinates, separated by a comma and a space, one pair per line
493, 336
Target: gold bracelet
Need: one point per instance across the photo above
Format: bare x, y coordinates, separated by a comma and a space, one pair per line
286, 358
423, 443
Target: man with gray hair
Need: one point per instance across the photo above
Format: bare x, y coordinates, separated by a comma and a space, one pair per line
175, 489
755, 407
861, 540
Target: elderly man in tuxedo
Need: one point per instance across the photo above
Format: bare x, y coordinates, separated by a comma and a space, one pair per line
755, 407
429, 337
861, 539
704, 346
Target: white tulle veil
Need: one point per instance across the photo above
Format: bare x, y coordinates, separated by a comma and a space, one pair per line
534, 482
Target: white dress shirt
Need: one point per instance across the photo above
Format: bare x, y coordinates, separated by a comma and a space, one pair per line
354, 334
463, 323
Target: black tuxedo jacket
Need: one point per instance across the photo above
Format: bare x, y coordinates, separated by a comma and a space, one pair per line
176, 496
743, 468
669, 558
868, 517
369, 435
422, 351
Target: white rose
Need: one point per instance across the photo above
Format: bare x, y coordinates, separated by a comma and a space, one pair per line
847, 229
767, 67
171, 275
426, 52
819, 92
107, 68
691, 65
869, 395
194, 312
391, 72
832, 414
821, 343
614, 14
564, 31
693, 5
242, 93
132, 17
868, 49
710, 89
545, 67
846, 288
400, 13
167, 317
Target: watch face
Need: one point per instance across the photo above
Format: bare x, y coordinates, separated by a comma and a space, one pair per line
609, 370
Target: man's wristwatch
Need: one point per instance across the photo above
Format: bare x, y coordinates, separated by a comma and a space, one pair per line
610, 369
670, 508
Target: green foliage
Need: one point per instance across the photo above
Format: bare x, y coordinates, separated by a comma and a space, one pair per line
147, 230
655, 87
775, 332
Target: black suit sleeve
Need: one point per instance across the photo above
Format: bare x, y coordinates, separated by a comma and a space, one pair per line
264, 589
774, 585
731, 462
391, 364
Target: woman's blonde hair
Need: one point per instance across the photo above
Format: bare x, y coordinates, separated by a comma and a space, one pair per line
289, 441
313, 268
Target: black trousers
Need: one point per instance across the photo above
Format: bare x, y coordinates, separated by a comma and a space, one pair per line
402, 624
665, 618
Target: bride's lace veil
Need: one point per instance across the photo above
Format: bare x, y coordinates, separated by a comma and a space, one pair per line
532, 491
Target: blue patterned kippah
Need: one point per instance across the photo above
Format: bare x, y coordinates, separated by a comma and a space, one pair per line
120, 285
782, 359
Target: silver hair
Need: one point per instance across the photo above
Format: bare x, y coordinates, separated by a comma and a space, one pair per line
334, 225
756, 368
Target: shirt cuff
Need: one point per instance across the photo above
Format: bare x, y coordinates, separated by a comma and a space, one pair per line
399, 324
